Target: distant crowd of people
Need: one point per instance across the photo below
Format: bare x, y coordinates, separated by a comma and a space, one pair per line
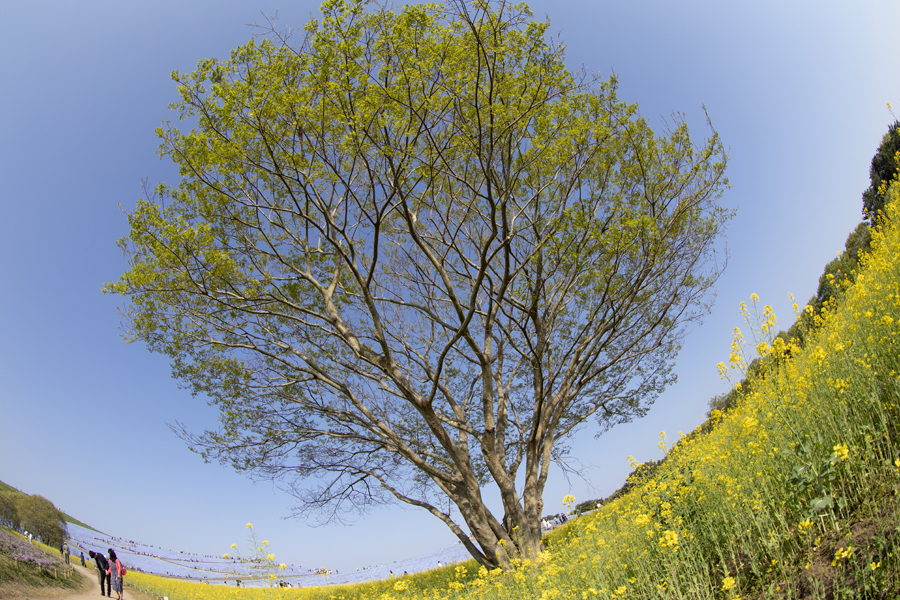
123, 541
553, 521
134, 549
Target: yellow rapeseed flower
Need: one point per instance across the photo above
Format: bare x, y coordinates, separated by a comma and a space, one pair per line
728, 583
641, 520
669, 539
841, 554
249, 524
841, 452
226, 555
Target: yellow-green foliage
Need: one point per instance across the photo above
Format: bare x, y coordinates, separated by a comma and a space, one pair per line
749, 504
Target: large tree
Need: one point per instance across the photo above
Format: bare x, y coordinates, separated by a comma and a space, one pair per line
410, 254
38, 516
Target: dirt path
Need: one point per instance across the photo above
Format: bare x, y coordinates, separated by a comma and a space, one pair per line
91, 592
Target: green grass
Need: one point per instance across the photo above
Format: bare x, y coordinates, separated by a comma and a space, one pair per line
74, 521
12, 573
7, 488
20, 579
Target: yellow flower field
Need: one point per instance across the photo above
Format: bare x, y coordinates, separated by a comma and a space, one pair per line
789, 494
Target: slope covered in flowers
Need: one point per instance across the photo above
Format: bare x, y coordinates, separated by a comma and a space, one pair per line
789, 495
29, 567
18, 548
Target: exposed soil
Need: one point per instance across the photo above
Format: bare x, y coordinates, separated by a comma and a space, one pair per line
89, 591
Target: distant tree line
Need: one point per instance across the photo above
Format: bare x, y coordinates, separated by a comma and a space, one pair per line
35, 514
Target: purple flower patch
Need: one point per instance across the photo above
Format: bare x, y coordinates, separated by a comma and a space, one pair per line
19, 549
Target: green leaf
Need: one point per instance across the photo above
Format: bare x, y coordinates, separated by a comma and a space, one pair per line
818, 504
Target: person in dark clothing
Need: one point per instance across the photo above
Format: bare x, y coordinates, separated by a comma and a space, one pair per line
102, 572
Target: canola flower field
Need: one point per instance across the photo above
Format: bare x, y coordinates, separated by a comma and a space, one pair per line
790, 494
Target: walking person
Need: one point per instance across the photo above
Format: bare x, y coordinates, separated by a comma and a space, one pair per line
102, 571
82, 559
116, 573
66, 551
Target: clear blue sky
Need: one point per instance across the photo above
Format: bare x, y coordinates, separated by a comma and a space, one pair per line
796, 89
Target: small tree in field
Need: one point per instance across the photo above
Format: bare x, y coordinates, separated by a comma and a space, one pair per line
413, 253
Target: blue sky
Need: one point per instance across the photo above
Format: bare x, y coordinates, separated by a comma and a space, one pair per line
797, 91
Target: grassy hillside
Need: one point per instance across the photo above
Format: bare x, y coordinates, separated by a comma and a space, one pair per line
4, 487
790, 494
73, 520
25, 567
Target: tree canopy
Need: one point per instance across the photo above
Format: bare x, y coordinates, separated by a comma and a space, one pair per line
882, 171
39, 516
411, 253
9, 512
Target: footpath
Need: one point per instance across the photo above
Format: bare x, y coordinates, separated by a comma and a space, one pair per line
87, 593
